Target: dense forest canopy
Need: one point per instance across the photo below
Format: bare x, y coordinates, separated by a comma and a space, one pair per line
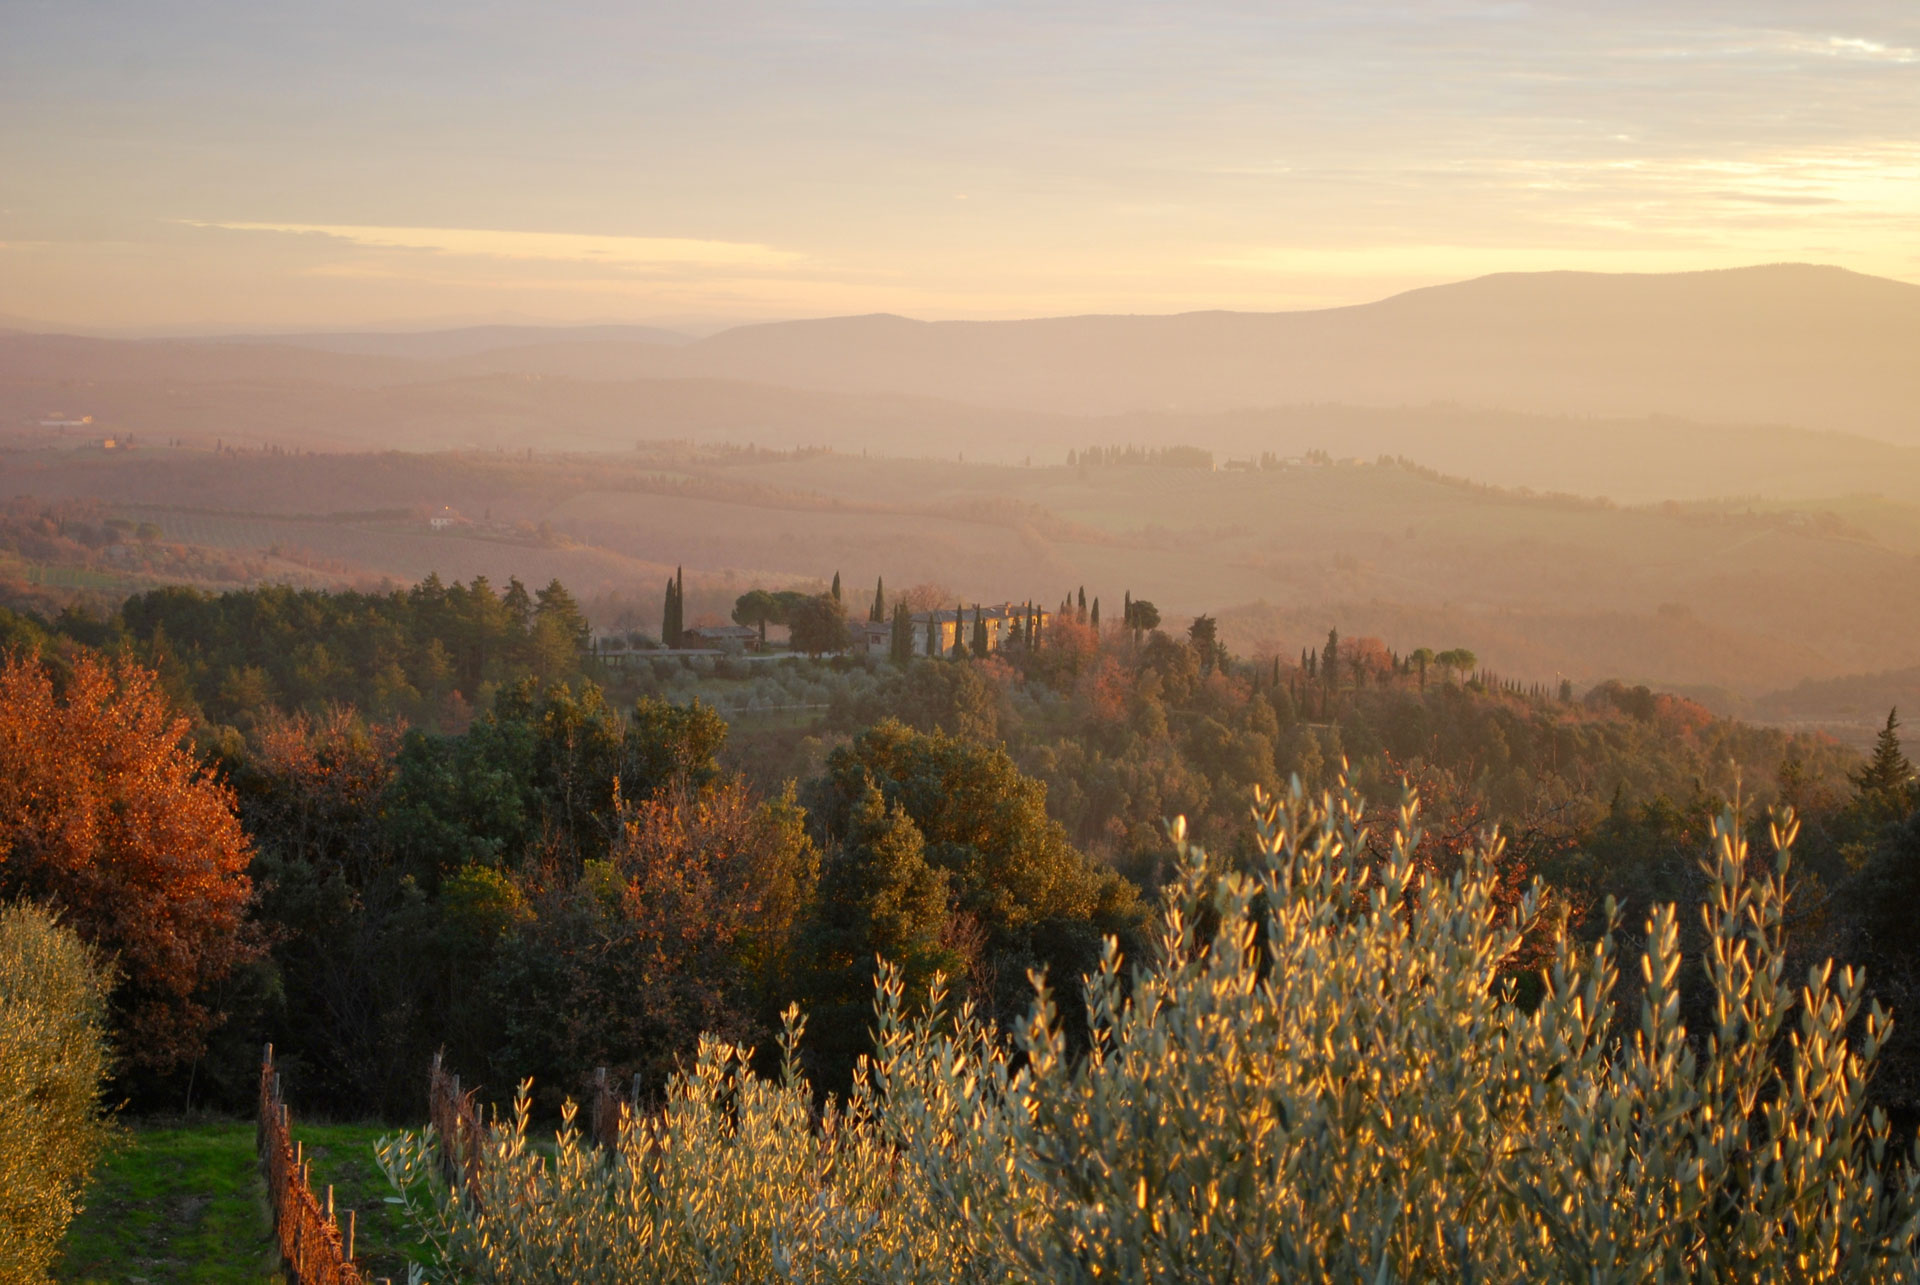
463, 832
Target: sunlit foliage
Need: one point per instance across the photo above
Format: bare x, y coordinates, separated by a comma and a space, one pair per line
106, 814
53, 1058
1319, 1074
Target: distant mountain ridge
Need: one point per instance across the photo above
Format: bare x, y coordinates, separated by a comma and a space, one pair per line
1814, 347
1817, 347
463, 341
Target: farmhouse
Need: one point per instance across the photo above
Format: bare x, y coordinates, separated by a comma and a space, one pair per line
872, 636
741, 636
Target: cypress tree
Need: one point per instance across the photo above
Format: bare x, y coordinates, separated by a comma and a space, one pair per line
980, 644
836, 586
959, 635
1096, 615
901, 644
879, 609
933, 633
673, 618
1081, 609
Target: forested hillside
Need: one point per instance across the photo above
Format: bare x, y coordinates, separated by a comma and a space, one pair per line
461, 832
1711, 599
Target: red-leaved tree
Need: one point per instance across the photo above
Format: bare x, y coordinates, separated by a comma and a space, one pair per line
106, 815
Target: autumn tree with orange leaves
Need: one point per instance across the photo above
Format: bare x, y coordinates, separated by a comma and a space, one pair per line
107, 816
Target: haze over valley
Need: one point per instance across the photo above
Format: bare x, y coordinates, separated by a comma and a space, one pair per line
944, 643
1655, 478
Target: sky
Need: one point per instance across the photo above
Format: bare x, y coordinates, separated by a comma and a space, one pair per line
205, 165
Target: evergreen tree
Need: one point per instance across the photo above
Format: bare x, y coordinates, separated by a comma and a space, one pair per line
558, 605
1126, 611
959, 633
1081, 606
518, 604
879, 610
836, 586
756, 607
980, 643
933, 633
878, 895
902, 641
1204, 633
1330, 659
1885, 783
1096, 615
818, 625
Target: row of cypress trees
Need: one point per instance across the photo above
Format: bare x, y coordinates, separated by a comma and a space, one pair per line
1140, 615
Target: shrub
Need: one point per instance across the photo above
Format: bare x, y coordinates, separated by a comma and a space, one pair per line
53, 1057
1320, 1075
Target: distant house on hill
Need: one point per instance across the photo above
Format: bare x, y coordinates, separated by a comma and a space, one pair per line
872, 636
743, 636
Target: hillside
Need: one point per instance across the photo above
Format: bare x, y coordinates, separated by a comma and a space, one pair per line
1812, 346
1631, 460
1701, 597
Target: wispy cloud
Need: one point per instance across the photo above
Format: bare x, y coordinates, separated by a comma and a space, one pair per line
562, 247
1853, 47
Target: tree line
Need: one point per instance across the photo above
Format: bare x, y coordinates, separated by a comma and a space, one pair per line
562, 873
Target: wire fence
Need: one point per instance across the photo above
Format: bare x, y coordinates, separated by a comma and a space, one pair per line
462, 1134
309, 1234
456, 1123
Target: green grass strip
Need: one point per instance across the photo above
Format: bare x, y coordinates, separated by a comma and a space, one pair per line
179, 1203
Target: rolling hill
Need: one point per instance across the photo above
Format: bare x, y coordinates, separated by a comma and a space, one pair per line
1696, 596
1817, 347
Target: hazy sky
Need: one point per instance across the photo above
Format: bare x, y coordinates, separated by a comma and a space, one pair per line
200, 163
